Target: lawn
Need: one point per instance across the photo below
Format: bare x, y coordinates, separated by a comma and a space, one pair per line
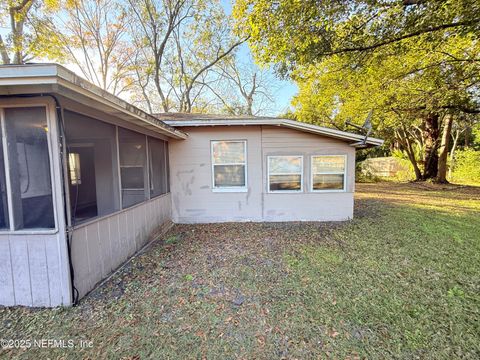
401, 280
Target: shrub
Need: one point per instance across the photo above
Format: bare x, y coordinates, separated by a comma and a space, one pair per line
467, 166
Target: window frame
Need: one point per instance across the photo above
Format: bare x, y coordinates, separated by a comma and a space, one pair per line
165, 167
231, 189
53, 154
285, 191
344, 173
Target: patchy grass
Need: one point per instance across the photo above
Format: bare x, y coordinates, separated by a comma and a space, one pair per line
402, 280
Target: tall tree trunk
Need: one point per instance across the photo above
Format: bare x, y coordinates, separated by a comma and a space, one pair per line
452, 153
443, 151
467, 135
4, 52
406, 143
430, 135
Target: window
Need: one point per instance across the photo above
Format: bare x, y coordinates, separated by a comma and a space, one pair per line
328, 173
133, 167
157, 154
74, 168
29, 168
229, 165
92, 167
285, 173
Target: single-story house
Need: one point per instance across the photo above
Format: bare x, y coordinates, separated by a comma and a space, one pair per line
87, 179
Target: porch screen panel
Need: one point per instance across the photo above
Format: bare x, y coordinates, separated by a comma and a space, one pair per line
133, 166
4, 223
92, 167
29, 161
158, 166
167, 165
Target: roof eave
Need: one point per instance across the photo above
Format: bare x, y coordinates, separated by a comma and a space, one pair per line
359, 141
59, 77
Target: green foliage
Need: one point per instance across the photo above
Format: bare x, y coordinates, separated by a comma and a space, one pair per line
467, 166
405, 60
294, 33
476, 136
29, 34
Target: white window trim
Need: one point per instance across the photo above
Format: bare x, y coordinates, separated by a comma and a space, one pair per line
231, 189
53, 155
344, 173
284, 191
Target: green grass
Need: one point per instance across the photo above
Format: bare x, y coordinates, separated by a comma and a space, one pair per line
402, 280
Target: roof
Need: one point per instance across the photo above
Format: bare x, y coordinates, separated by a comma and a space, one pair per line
55, 79
193, 120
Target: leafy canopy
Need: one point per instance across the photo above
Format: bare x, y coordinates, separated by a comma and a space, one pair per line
292, 32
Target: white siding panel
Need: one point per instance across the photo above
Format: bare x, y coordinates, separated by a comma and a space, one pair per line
80, 259
7, 294
54, 273
115, 241
95, 260
104, 238
31, 270
39, 272
102, 246
21, 270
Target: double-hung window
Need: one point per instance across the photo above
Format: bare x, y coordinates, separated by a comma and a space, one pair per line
328, 172
285, 173
229, 166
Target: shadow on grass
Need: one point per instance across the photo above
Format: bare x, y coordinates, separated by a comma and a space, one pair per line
400, 280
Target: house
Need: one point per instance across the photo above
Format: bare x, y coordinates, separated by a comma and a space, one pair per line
87, 179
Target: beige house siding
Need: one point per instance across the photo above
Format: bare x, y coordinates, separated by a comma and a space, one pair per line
191, 178
34, 269
102, 245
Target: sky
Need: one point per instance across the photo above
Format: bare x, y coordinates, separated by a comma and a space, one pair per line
285, 89
282, 94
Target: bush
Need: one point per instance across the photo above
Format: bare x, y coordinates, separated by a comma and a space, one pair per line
467, 166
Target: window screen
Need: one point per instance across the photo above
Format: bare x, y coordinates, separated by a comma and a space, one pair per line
229, 164
92, 167
328, 172
133, 166
29, 167
285, 173
158, 166
4, 224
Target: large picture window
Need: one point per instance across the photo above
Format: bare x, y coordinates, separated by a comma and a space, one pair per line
285, 173
328, 173
229, 165
29, 167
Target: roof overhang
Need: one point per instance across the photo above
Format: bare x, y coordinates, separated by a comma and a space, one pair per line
355, 140
55, 79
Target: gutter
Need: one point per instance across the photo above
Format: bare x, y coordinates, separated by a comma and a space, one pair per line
342, 135
54, 74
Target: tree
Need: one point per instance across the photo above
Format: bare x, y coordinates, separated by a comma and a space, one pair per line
411, 92
93, 37
27, 37
413, 61
180, 41
290, 33
242, 88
